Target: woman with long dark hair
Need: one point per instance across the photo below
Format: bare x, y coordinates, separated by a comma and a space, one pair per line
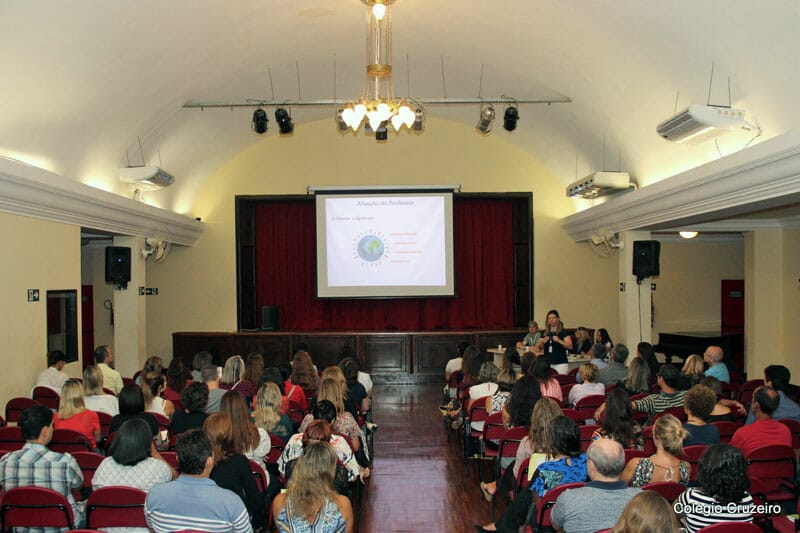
548, 385
617, 421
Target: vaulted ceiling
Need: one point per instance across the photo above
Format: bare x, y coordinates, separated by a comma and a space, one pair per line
82, 80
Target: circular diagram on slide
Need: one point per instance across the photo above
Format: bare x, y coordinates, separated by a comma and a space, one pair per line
370, 248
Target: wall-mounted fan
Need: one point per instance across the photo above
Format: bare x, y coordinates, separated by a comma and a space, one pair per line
156, 248
605, 242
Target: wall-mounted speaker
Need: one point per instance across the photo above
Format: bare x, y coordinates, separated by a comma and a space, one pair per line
269, 318
118, 264
645, 259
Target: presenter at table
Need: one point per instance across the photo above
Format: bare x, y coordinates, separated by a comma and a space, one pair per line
555, 343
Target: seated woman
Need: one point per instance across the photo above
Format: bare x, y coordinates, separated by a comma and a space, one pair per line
152, 364
505, 382
345, 424
692, 372
320, 431
200, 360
194, 399
664, 465
324, 410
234, 377
271, 374
601, 336
153, 384
723, 488
310, 502
617, 421
699, 403
646, 352
232, 469
94, 397
638, 379
536, 442
647, 512
245, 435
532, 337
73, 414
583, 342
524, 396
335, 373
254, 366
302, 382
721, 412
133, 460
588, 386
269, 419
356, 392
131, 405
178, 378
548, 385
568, 465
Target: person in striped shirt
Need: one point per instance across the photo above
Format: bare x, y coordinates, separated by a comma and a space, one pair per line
670, 396
194, 501
723, 492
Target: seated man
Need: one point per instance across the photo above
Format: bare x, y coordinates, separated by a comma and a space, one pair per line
104, 359
598, 504
52, 376
616, 370
716, 368
670, 396
194, 501
778, 377
37, 465
765, 431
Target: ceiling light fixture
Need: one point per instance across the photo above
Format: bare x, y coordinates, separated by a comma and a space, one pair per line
688, 234
284, 121
259, 123
510, 118
377, 103
486, 120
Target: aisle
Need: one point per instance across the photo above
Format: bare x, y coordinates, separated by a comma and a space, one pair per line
419, 483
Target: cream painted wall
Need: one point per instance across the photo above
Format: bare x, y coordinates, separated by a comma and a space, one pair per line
197, 286
93, 272
45, 256
687, 296
791, 301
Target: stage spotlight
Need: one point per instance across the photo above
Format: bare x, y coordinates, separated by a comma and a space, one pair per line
485, 121
419, 121
382, 132
284, 121
260, 120
510, 118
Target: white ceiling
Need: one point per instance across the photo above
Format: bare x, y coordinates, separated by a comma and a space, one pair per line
82, 79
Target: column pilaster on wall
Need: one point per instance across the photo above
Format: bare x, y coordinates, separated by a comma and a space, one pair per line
130, 313
763, 300
634, 300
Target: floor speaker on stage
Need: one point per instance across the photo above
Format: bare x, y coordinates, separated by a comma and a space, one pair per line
269, 318
645, 259
118, 264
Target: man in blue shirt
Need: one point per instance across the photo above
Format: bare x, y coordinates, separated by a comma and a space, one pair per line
778, 377
716, 368
193, 501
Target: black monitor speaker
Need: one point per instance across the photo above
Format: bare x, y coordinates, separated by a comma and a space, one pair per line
645, 259
269, 318
118, 264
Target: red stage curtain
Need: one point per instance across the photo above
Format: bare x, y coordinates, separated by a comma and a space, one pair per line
484, 269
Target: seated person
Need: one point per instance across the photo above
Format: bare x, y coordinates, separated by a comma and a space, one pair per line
700, 402
647, 512
194, 399
73, 414
583, 342
52, 376
320, 431
532, 337
589, 385
665, 464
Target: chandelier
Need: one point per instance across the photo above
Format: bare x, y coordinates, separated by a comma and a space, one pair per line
377, 107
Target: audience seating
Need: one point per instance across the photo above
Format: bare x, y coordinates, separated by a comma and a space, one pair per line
587, 405
572, 414
775, 467
726, 430
565, 392
68, 440
493, 431
731, 527
108, 391
611, 387
11, 438
171, 458
692, 455
2, 422
649, 445
88, 461
544, 505
163, 422
116, 507
46, 396
586, 435
746, 391
566, 379
35, 507
677, 412
632, 454
128, 381
260, 475
477, 413
794, 427
15, 406
670, 490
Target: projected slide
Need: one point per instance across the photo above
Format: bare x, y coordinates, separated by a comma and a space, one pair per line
374, 243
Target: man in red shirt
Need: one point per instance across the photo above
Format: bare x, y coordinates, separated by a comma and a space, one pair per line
765, 431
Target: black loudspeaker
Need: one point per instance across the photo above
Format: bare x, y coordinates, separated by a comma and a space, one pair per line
645, 259
118, 264
269, 318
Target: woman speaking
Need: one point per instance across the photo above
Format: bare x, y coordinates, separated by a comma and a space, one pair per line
555, 343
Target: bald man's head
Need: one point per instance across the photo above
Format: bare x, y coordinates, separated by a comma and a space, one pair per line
607, 456
766, 399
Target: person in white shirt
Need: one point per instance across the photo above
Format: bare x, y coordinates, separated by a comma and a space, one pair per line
104, 358
94, 397
52, 376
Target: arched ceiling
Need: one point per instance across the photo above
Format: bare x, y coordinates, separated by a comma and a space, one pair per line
81, 80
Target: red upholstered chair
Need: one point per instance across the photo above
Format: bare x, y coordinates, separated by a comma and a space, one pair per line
572, 414
670, 490
632, 454
275, 450
544, 505
493, 431
794, 427
172, 459
565, 392
746, 391
775, 467
477, 413
566, 379
692, 455
261, 476
116, 507
68, 440
105, 422
726, 430
88, 461
46, 396
731, 527
108, 391
15, 406
677, 412
35, 507
130, 381
649, 445
587, 405
586, 435
163, 421
11, 438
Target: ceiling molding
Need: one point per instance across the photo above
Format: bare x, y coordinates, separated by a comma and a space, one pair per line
701, 237
760, 177
34, 192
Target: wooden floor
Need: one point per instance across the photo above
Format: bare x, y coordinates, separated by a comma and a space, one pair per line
419, 482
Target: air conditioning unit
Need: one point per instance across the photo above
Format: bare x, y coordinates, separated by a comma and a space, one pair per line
146, 178
600, 184
698, 123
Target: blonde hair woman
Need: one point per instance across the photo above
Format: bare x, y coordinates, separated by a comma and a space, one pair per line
234, 377
647, 512
94, 397
331, 390
310, 501
589, 387
73, 414
665, 464
692, 372
268, 412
